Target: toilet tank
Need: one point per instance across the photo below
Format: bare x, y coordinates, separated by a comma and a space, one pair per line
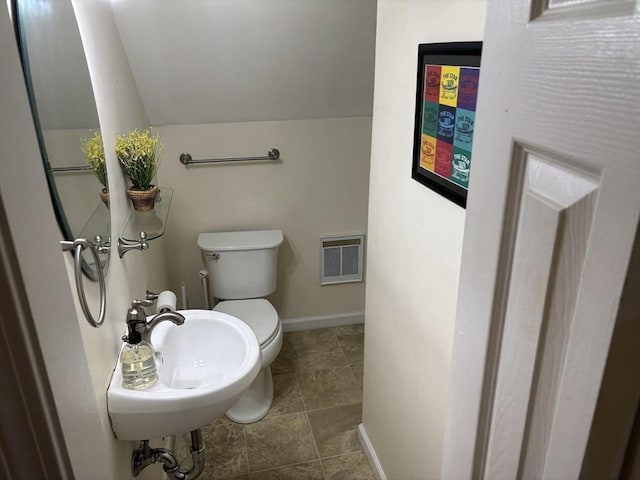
241, 264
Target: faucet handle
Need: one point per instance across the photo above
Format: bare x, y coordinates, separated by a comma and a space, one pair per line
141, 303
136, 313
136, 318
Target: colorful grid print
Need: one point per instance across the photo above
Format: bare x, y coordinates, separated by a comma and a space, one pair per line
448, 118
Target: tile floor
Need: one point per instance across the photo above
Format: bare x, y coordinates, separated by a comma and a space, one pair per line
311, 431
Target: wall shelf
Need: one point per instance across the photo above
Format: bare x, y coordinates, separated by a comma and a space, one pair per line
141, 227
97, 231
153, 223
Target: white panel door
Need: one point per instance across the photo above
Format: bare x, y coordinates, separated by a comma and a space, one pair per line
552, 214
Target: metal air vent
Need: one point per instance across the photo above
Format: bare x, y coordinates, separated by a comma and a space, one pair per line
341, 258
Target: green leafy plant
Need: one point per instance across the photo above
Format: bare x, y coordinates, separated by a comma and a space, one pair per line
138, 153
93, 149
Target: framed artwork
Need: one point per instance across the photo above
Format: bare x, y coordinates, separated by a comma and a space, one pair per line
446, 96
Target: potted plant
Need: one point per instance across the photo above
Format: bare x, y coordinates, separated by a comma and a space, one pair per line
93, 149
138, 153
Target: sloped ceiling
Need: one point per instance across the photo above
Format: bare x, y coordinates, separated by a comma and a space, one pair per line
210, 61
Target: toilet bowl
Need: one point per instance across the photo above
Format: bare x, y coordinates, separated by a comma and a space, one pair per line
242, 270
263, 319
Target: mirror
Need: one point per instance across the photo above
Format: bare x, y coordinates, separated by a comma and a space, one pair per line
66, 120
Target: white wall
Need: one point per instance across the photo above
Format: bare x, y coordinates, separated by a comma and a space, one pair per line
415, 243
120, 110
320, 186
35, 236
79, 358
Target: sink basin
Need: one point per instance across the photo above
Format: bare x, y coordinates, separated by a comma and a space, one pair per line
204, 366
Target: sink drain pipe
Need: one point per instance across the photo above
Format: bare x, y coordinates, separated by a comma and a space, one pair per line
145, 456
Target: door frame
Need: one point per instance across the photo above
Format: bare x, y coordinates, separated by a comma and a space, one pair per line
31, 440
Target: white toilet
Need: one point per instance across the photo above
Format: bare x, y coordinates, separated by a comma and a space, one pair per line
242, 270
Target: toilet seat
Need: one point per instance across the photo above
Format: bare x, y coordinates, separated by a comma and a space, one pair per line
258, 313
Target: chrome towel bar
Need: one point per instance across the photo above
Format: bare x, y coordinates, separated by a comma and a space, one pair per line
186, 159
71, 169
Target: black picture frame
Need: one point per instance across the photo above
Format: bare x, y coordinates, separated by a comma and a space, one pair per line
442, 144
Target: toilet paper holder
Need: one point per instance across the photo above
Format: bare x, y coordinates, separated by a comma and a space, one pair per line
152, 296
165, 300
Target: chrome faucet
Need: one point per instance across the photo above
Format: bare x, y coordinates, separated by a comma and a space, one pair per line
138, 325
175, 317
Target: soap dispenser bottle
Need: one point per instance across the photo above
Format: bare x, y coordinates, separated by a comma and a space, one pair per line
137, 359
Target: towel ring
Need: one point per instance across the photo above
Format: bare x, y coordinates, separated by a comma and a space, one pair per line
78, 245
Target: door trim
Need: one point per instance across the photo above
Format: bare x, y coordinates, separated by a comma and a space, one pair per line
31, 439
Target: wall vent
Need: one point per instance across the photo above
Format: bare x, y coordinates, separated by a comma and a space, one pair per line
341, 258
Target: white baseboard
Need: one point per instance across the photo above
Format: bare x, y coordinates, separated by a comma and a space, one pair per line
322, 321
370, 453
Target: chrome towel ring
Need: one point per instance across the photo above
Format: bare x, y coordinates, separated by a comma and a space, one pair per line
78, 245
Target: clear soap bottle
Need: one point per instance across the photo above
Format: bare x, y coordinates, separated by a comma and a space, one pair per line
138, 363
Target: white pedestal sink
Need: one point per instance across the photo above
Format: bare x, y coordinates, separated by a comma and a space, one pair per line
204, 366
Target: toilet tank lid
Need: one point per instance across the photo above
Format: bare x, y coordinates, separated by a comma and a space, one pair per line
252, 240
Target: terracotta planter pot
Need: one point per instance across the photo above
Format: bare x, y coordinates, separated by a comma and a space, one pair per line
104, 196
143, 200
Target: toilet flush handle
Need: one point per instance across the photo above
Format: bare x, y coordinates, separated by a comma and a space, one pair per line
214, 255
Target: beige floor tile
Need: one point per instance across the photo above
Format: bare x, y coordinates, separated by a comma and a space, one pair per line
353, 347
353, 466
336, 429
320, 370
226, 453
348, 329
319, 348
287, 397
329, 388
280, 440
324, 351
306, 338
303, 471
284, 361
223, 420
358, 371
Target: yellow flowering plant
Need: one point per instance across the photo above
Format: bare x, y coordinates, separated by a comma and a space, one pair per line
138, 153
93, 149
